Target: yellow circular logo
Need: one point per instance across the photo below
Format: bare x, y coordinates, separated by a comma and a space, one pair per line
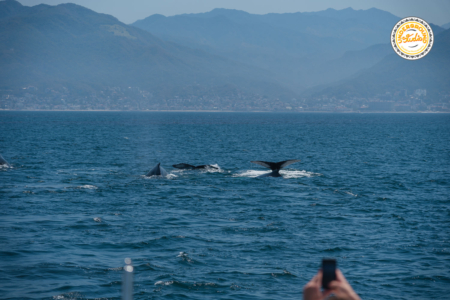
412, 38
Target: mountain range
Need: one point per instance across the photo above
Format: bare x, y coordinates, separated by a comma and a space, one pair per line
219, 53
69, 45
289, 45
393, 74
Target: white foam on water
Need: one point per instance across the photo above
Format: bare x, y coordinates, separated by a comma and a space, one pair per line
284, 173
298, 174
206, 170
350, 193
163, 282
212, 170
68, 296
169, 176
178, 171
87, 186
251, 173
182, 254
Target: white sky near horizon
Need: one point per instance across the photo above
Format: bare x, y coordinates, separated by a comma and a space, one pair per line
129, 11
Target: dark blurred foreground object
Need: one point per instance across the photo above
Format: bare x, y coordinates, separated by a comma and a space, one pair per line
329, 272
127, 280
339, 287
191, 167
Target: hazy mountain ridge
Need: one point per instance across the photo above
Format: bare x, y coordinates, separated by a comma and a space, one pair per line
328, 23
393, 74
69, 45
224, 58
293, 46
10, 8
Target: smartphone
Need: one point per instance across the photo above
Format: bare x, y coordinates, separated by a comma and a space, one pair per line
328, 272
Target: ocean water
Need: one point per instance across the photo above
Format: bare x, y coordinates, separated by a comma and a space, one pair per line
371, 190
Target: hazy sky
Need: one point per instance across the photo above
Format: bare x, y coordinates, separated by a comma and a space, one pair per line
128, 11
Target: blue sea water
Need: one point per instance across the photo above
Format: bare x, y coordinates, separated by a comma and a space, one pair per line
371, 190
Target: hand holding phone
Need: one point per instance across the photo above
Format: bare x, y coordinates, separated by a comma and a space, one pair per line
328, 272
333, 282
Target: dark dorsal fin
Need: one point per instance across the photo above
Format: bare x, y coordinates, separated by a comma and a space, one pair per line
3, 161
276, 166
157, 171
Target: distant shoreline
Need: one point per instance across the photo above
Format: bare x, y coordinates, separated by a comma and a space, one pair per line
233, 111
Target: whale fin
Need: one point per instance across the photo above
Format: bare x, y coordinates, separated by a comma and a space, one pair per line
276, 166
288, 162
3, 161
157, 171
184, 166
163, 172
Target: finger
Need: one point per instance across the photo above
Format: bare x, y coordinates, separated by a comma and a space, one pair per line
334, 285
335, 289
312, 281
326, 293
318, 277
340, 276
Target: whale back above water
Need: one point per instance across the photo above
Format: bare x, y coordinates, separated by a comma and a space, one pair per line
274, 166
184, 166
157, 171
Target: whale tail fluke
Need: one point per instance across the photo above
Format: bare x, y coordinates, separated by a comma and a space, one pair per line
275, 167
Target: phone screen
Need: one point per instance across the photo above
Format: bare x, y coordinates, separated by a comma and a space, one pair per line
329, 272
